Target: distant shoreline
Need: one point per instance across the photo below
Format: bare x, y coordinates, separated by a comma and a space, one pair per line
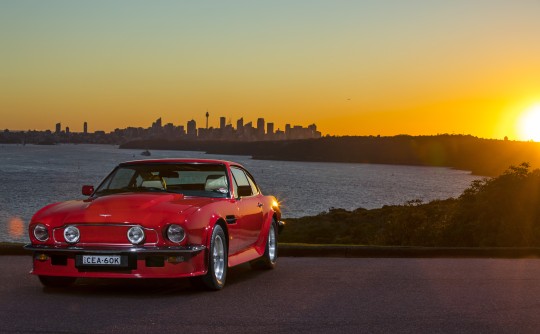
484, 157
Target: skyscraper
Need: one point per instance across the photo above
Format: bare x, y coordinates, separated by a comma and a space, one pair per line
58, 127
269, 129
222, 122
192, 128
85, 128
240, 127
260, 128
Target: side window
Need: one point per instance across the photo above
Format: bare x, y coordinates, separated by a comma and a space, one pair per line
242, 186
252, 184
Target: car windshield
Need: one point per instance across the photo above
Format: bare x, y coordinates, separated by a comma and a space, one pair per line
190, 179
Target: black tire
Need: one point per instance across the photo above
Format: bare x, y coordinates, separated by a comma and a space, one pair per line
57, 281
269, 258
217, 263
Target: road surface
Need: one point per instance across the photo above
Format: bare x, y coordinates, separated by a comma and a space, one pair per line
302, 295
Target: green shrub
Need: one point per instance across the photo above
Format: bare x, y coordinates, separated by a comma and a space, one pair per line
498, 212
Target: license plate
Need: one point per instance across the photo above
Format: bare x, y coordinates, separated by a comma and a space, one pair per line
98, 262
101, 260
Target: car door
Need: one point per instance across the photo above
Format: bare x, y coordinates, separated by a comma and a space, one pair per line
249, 217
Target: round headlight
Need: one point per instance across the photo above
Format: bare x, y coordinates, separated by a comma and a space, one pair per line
72, 234
175, 233
136, 235
41, 233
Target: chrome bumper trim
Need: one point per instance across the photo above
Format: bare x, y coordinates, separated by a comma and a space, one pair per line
281, 226
106, 250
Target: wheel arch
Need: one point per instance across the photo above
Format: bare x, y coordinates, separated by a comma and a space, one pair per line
221, 222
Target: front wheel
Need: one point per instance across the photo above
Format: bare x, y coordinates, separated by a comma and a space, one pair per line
56, 281
217, 263
269, 258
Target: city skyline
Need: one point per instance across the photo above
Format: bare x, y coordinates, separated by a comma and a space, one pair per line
244, 131
362, 67
261, 127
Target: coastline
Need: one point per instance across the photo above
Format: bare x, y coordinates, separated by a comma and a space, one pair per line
462, 152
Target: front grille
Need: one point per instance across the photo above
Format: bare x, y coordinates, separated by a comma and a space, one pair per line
104, 234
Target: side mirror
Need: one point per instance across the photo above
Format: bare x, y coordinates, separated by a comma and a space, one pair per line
87, 190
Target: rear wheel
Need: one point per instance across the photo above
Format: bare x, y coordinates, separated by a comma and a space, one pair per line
269, 258
217, 263
57, 281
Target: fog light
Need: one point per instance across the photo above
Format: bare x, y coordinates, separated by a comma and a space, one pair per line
72, 234
41, 233
175, 233
135, 235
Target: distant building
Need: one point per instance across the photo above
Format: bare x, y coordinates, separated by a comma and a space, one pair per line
67, 130
157, 124
192, 128
169, 129
249, 131
270, 131
260, 128
181, 130
279, 135
58, 128
314, 132
240, 126
222, 122
299, 132
85, 128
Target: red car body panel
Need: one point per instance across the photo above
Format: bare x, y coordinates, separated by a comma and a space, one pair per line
104, 221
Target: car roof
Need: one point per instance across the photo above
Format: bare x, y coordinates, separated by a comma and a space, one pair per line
180, 160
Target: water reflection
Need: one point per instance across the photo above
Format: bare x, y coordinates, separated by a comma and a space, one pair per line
16, 227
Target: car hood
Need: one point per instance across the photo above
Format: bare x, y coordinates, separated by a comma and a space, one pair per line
146, 209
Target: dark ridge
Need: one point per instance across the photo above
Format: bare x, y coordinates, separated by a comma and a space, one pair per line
488, 157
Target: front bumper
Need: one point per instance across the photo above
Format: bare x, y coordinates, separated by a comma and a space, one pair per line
142, 262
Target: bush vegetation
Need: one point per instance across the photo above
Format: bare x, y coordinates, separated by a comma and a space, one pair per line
497, 212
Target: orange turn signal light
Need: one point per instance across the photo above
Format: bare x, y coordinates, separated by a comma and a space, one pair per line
42, 257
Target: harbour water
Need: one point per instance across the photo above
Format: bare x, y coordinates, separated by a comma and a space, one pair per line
33, 176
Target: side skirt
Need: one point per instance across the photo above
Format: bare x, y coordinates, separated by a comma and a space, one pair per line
244, 256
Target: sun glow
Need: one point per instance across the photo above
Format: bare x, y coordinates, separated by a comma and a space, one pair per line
529, 124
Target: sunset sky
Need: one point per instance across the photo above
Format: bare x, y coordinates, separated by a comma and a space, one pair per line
352, 67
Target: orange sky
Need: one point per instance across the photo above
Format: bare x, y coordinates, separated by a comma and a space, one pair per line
351, 67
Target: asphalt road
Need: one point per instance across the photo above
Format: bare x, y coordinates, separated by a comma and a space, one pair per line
302, 295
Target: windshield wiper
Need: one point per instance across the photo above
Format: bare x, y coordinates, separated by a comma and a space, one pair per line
153, 189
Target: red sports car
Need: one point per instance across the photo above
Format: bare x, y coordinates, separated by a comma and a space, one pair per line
158, 218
